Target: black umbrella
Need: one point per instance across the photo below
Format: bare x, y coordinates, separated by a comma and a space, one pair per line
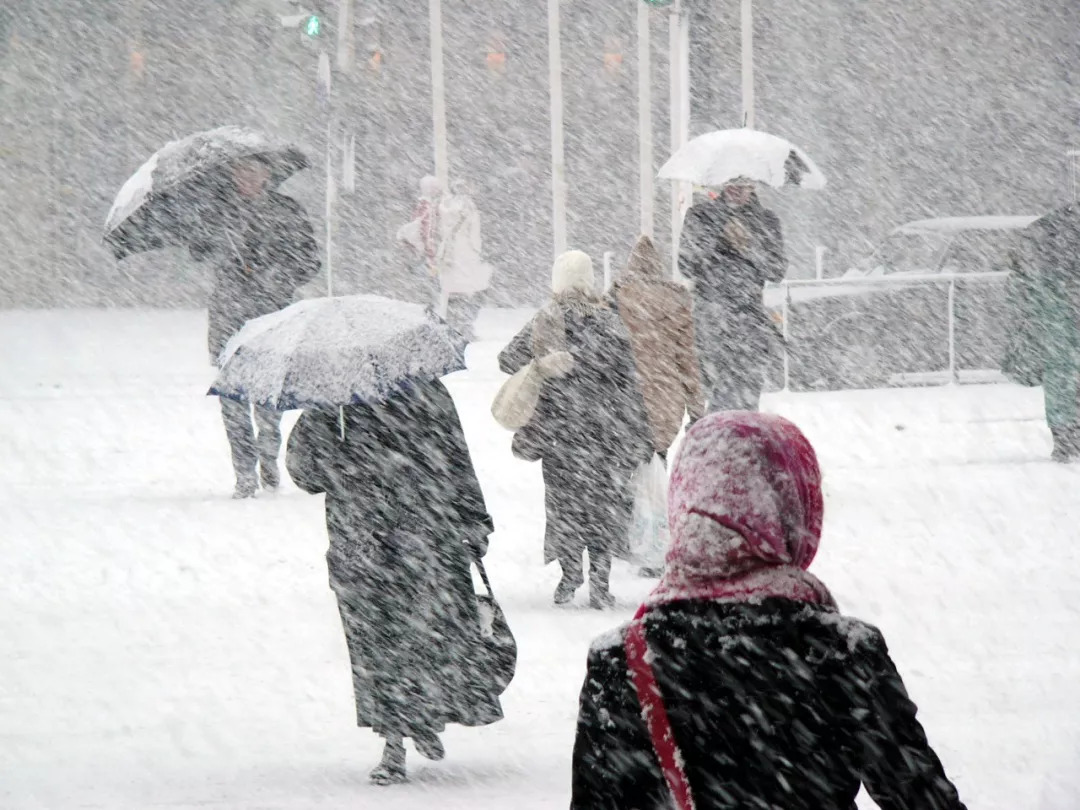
162, 203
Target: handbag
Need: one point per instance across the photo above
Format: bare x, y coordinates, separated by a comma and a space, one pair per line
499, 658
649, 534
516, 402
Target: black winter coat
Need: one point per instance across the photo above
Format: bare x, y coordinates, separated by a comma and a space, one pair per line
778, 706
404, 512
263, 250
590, 429
723, 271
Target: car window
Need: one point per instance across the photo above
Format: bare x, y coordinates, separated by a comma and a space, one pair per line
909, 253
977, 251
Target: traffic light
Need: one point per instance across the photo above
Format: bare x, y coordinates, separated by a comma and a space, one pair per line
313, 26
658, 3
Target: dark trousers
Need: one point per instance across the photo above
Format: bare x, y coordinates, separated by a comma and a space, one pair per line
247, 446
573, 569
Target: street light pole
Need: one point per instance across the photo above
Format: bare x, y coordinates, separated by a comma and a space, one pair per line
748, 63
438, 95
679, 68
558, 158
645, 133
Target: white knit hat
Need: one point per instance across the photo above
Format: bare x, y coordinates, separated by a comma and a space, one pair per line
573, 270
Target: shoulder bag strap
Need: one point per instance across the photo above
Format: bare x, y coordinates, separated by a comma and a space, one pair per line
655, 714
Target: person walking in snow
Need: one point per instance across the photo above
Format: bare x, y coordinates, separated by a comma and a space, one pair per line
404, 513
590, 428
1043, 296
658, 315
461, 270
730, 247
422, 232
739, 683
263, 249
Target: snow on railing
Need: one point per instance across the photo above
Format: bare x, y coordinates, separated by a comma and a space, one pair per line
877, 282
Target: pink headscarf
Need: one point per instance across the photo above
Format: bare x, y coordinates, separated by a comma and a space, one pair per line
745, 511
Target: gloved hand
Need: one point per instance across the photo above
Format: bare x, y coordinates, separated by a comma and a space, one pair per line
477, 543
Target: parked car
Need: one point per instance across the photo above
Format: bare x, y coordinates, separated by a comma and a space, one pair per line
886, 321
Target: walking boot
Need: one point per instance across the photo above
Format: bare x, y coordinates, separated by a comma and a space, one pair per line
391, 770
428, 745
564, 591
268, 472
246, 486
1065, 444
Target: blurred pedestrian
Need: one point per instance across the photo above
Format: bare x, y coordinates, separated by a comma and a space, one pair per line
739, 684
421, 233
590, 428
1043, 301
657, 312
404, 513
731, 245
461, 270
263, 249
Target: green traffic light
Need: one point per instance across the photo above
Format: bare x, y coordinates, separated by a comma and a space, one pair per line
658, 2
313, 26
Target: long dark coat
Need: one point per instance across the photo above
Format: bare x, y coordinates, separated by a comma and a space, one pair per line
403, 507
1043, 301
262, 251
590, 429
730, 253
772, 705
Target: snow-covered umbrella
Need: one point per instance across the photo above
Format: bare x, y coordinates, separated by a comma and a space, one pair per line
716, 158
160, 204
327, 352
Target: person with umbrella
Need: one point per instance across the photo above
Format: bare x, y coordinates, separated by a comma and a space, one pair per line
263, 248
731, 245
405, 515
214, 193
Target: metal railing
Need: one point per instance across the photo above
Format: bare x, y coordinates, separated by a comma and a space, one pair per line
877, 283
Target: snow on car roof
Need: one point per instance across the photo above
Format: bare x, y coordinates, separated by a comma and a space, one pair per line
954, 224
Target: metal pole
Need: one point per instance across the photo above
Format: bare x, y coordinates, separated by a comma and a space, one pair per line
329, 209
608, 258
748, 63
438, 95
645, 133
786, 314
675, 79
558, 158
952, 331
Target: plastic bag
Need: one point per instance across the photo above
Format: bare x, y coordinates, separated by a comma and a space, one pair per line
649, 535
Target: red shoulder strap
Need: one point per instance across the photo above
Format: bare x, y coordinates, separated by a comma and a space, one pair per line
654, 713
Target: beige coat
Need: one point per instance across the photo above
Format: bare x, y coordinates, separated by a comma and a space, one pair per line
658, 314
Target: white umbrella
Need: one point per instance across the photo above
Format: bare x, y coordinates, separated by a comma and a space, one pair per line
716, 158
326, 352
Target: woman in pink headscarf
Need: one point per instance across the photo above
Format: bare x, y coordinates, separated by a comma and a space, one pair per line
739, 684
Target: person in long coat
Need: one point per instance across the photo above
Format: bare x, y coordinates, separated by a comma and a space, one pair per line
1043, 346
729, 248
658, 314
405, 515
263, 250
463, 273
590, 429
739, 683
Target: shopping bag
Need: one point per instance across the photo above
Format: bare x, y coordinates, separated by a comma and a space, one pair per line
649, 533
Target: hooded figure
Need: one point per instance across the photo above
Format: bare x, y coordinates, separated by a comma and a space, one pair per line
404, 512
1043, 297
590, 428
739, 684
658, 314
730, 247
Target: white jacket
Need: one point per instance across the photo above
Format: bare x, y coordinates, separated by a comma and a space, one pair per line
462, 270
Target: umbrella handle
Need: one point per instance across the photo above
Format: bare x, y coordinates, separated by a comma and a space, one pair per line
341, 421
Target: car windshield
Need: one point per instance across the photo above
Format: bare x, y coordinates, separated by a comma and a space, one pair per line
908, 253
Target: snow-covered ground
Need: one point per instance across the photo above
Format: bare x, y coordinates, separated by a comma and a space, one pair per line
164, 646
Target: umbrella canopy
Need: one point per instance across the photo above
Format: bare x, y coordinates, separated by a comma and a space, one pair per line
716, 158
326, 352
160, 204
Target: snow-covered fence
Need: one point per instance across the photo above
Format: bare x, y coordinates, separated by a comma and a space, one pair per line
878, 283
